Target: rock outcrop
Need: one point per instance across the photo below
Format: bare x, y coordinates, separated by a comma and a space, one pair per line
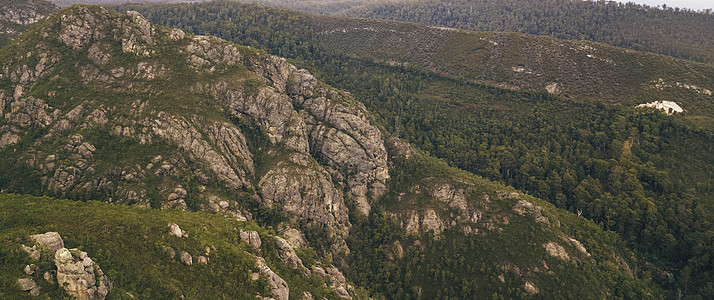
251, 238
79, 276
277, 285
76, 272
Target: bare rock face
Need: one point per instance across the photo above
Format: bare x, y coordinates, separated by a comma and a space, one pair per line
294, 237
334, 279
523, 208
351, 147
287, 254
251, 238
80, 29
277, 285
78, 275
22, 14
556, 250
230, 168
51, 240
530, 288
175, 230
29, 285
32, 252
302, 187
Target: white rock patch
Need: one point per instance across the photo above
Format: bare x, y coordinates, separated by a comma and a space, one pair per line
669, 107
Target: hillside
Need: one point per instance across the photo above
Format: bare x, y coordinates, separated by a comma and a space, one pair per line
17, 15
672, 31
643, 174
214, 136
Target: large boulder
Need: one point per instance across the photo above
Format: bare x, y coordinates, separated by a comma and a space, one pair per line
50, 240
79, 275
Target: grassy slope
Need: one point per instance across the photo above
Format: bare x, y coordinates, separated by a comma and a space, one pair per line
127, 243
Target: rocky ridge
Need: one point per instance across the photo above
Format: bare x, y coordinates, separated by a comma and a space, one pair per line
324, 151
329, 137
16, 15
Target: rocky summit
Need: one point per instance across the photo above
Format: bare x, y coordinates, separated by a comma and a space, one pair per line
271, 182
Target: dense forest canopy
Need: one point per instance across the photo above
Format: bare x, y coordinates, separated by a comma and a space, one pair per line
640, 173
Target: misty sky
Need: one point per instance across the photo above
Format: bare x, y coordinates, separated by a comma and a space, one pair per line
693, 4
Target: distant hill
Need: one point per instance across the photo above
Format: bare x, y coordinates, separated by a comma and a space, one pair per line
17, 15
671, 31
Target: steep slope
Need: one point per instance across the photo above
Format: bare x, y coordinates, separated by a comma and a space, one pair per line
643, 174
102, 105
17, 15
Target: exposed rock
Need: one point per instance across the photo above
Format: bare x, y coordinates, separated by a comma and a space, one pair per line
334, 279
556, 250
29, 285
47, 276
579, 246
306, 296
523, 208
294, 237
530, 288
231, 167
432, 222
177, 34
175, 230
81, 28
277, 285
9, 138
78, 275
287, 253
202, 260
352, 147
451, 196
33, 252
669, 107
138, 34
302, 187
50, 240
186, 258
251, 238
29, 270
553, 88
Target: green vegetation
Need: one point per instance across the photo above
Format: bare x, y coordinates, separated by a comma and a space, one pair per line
672, 31
127, 242
496, 264
640, 173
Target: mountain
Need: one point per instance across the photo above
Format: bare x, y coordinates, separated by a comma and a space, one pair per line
643, 174
98, 105
17, 15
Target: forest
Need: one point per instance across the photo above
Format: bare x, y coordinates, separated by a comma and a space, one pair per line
639, 173
667, 30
